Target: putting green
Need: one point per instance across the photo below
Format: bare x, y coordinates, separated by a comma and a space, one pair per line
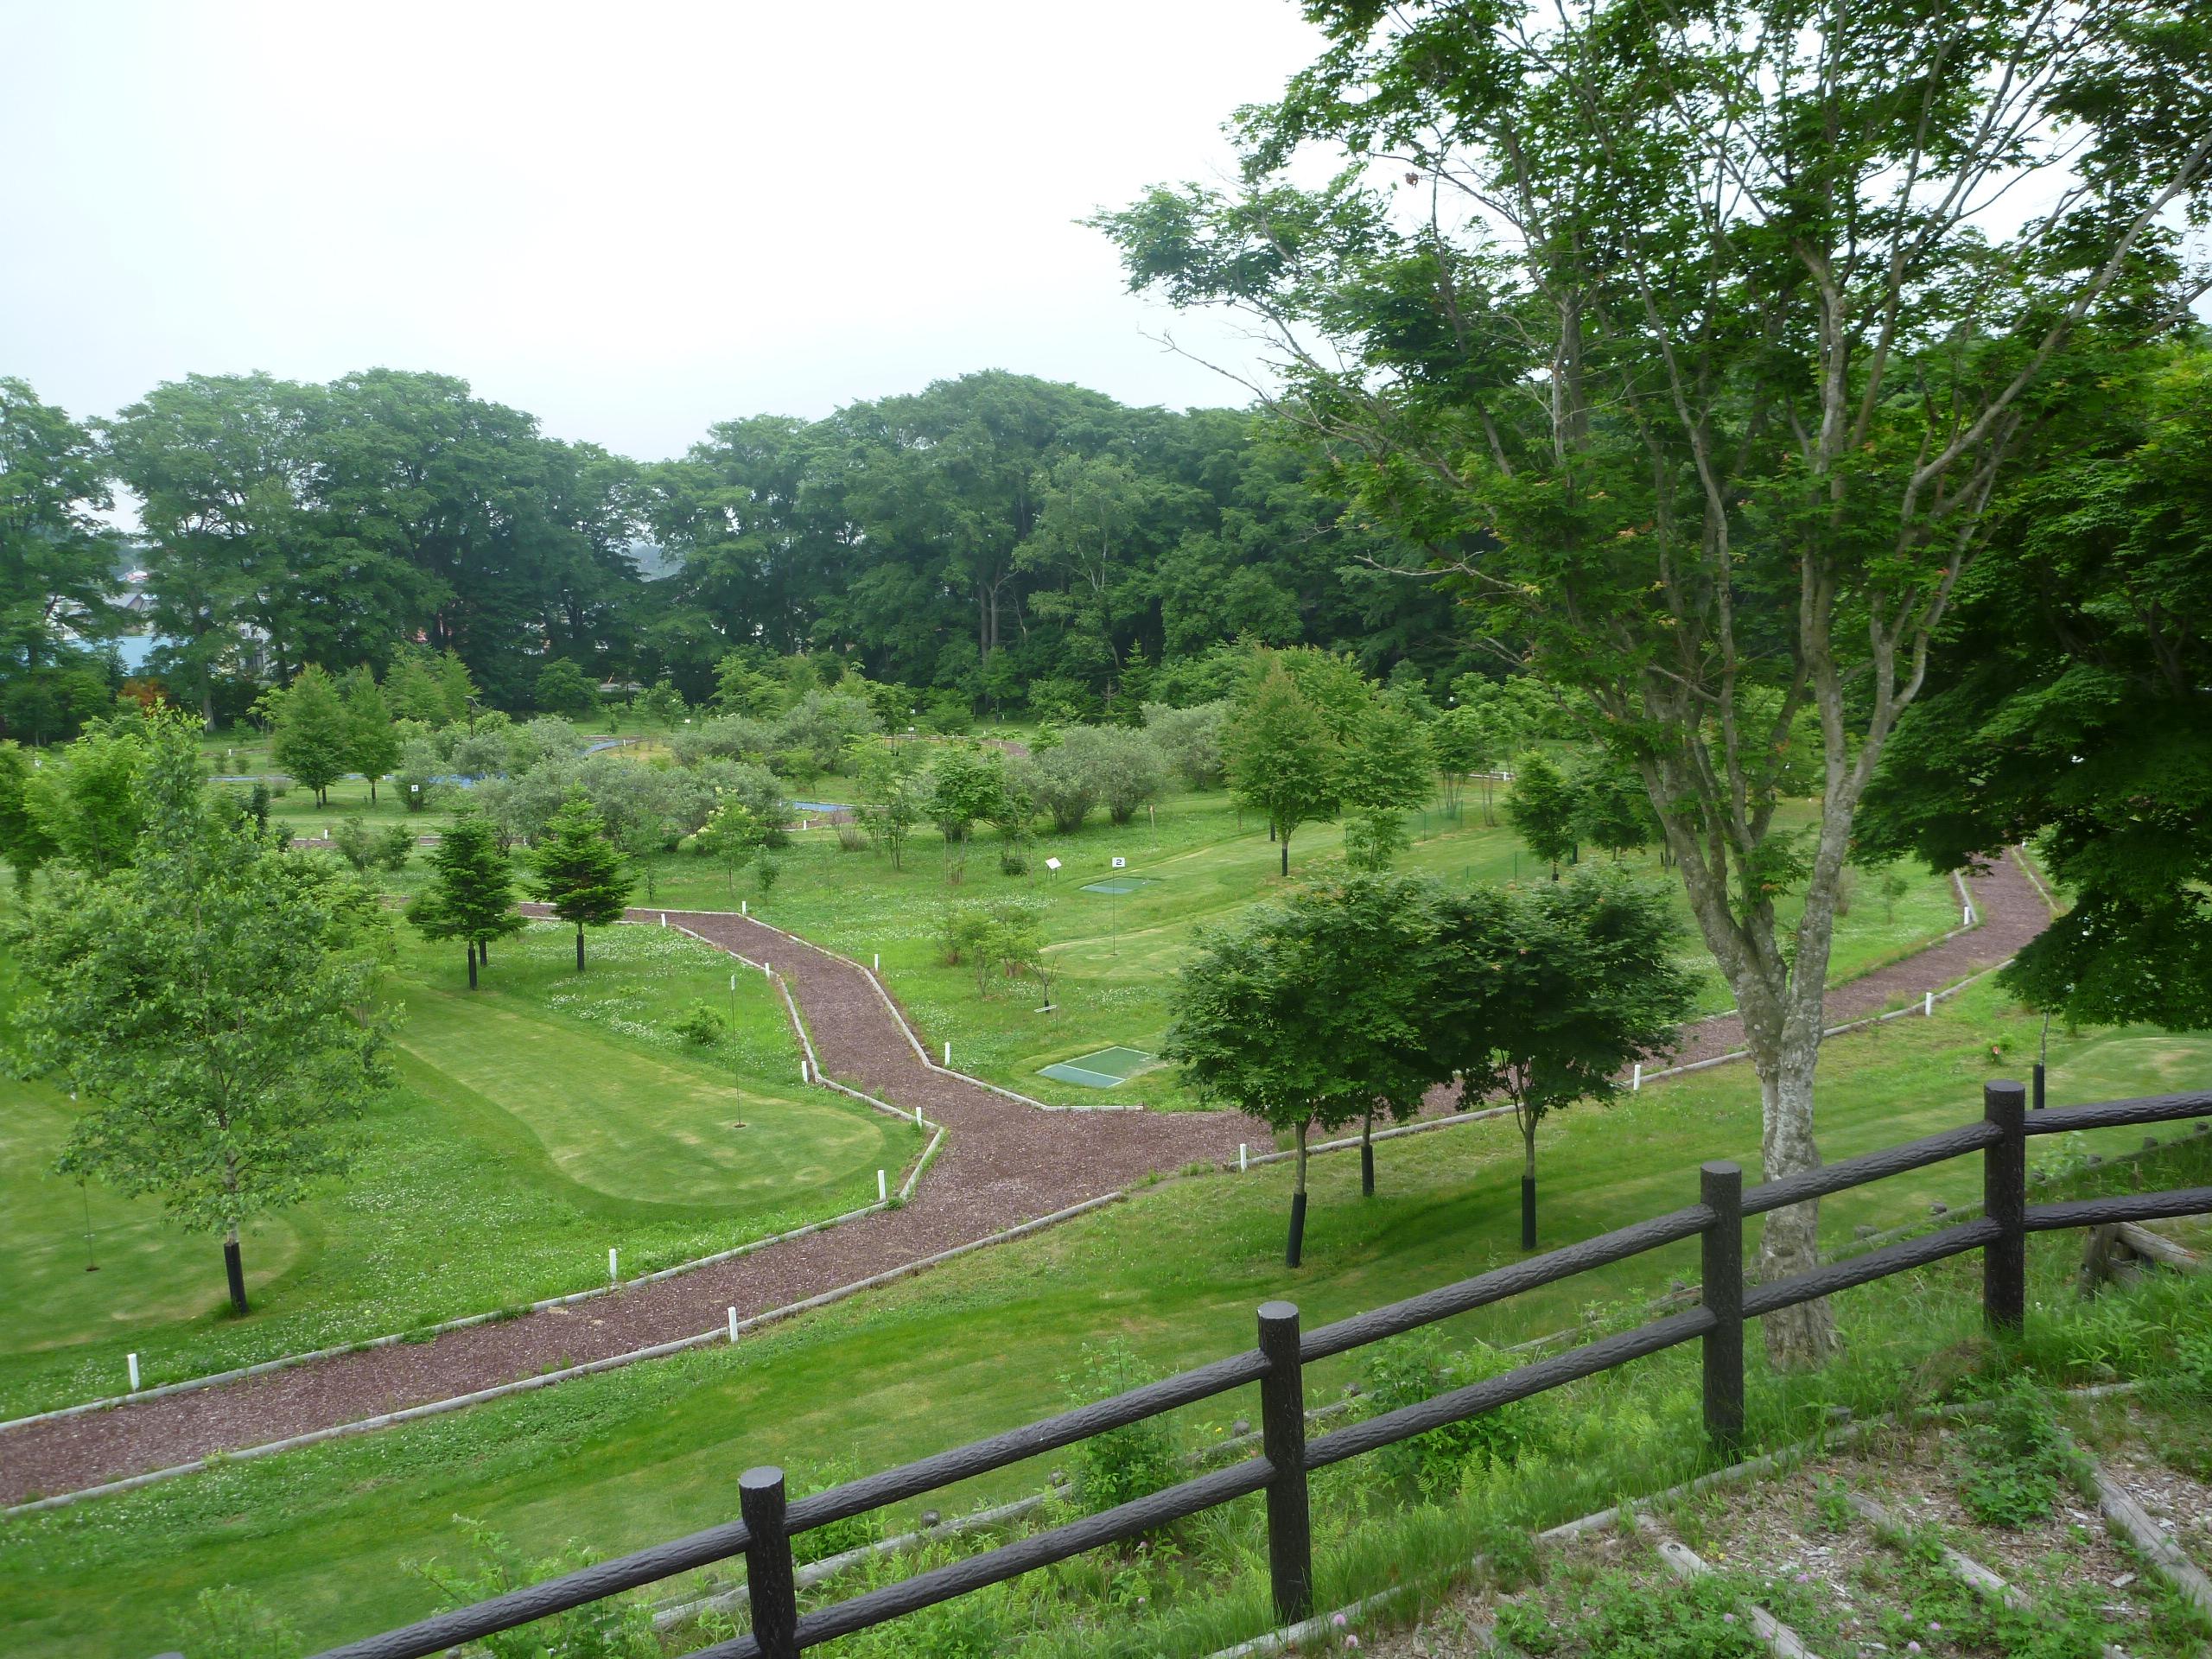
1107, 1069
151, 1271
651, 1129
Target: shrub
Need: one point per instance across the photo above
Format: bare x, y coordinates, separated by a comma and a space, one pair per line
1411, 1368
1189, 741
354, 843
1013, 860
851, 838
1122, 1463
701, 1026
394, 847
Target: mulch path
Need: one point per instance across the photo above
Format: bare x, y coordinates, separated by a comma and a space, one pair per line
1002, 1163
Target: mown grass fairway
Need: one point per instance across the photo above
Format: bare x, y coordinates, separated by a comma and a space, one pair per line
636, 1456
549, 1118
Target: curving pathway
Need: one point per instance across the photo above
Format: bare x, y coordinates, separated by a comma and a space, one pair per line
1002, 1163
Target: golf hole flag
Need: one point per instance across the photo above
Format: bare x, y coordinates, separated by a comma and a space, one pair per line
1121, 863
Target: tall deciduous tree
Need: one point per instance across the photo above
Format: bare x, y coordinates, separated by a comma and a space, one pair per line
1283, 761
1548, 994
313, 738
57, 565
24, 842
1693, 343
579, 871
213, 1004
1313, 1013
472, 895
2076, 705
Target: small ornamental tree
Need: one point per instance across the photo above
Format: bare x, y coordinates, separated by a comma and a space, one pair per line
23, 843
563, 689
733, 833
471, 896
1315, 1012
894, 790
1386, 772
1282, 760
579, 871
1611, 810
86, 801
1543, 810
1459, 742
314, 737
1549, 993
663, 704
371, 740
213, 1007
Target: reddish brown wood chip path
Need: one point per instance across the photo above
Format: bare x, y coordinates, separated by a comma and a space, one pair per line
1002, 1163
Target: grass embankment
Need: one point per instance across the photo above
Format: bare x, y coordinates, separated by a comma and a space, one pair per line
632, 1457
538, 1123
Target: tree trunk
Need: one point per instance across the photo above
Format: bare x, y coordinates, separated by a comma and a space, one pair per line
1367, 1155
234, 1269
1297, 1249
1528, 1181
1805, 1335
1286, 852
472, 964
580, 947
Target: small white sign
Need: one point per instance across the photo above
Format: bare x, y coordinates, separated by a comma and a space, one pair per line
1052, 863
1121, 863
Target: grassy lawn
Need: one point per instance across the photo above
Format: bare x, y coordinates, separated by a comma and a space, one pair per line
1114, 957
634, 1456
539, 1122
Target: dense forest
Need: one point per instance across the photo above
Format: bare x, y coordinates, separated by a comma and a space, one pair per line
994, 542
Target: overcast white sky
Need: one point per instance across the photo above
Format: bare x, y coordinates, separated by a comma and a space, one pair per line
631, 220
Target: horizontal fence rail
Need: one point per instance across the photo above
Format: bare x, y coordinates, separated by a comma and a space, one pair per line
767, 1522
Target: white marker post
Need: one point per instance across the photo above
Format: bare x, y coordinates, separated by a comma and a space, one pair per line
948, 1053
1241, 1150
733, 1325
1965, 919
131, 1360
1635, 1084
803, 1078
879, 962
882, 1188
664, 918
745, 907
917, 1117
613, 1276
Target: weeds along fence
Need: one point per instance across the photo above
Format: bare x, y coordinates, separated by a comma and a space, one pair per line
768, 1521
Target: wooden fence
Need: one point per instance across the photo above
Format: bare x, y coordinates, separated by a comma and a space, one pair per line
768, 1521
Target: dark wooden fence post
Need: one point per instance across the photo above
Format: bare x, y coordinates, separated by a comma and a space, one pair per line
1721, 1188
1283, 1436
768, 1578
2004, 1201
2035, 1102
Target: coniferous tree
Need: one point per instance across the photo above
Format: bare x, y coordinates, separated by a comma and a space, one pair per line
579, 871
471, 896
314, 735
